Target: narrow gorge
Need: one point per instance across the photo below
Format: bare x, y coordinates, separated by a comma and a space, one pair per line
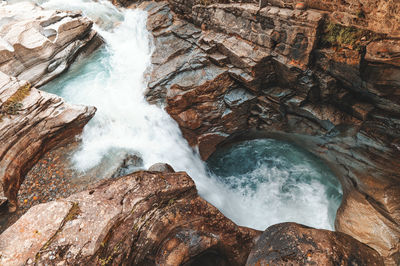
190, 132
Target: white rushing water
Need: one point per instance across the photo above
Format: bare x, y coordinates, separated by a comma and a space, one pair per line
113, 81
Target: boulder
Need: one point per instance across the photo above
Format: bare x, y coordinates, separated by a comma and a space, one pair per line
295, 244
161, 167
146, 218
128, 165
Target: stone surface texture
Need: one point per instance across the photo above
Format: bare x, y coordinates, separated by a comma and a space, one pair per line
36, 45
41, 122
146, 218
227, 71
295, 244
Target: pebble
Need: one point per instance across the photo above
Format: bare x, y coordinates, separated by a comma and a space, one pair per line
51, 178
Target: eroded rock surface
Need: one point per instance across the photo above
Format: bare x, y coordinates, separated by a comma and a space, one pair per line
36, 44
295, 244
146, 218
287, 73
32, 122
376, 15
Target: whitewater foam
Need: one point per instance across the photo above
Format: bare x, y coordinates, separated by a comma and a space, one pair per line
113, 80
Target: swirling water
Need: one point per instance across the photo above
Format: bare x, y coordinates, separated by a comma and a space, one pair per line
113, 80
277, 182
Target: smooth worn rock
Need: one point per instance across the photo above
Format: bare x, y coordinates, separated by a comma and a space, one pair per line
146, 218
295, 244
161, 167
36, 45
354, 217
32, 122
328, 81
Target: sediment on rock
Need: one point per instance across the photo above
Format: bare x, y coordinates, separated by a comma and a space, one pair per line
31, 124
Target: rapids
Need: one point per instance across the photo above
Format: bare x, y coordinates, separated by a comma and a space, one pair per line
273, 188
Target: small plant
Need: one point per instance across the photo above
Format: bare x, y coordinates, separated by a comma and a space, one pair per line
13, 104
337, 35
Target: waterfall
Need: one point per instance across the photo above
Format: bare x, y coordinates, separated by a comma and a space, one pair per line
113, 80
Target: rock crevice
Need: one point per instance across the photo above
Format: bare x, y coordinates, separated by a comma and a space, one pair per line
305, 76
146, 218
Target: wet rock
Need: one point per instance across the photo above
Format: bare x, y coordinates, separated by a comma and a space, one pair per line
36, 45
3, 203
32, 122
161, 167
236, 97
142, 219
354, 217
342, 106
128, 165
295, 244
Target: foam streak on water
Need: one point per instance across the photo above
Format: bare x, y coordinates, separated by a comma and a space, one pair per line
112, 80
279, 181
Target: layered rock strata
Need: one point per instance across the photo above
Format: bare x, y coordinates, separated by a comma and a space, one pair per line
36, 45
300, 75
32, 122
146, 218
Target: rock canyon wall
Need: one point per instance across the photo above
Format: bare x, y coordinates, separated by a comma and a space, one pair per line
36, 45
326, 77
329, 85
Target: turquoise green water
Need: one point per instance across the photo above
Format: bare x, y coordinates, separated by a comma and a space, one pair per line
275, 181
254, 183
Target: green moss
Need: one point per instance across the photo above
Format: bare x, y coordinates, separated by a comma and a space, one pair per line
13, 104
341, 36
336, 35
73, 212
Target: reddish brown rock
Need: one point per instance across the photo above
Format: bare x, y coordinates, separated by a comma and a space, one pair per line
146, 218
384, 51
289, 35
300, 80
376, 15
36, 45
295, 244
354, 218
32, 122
